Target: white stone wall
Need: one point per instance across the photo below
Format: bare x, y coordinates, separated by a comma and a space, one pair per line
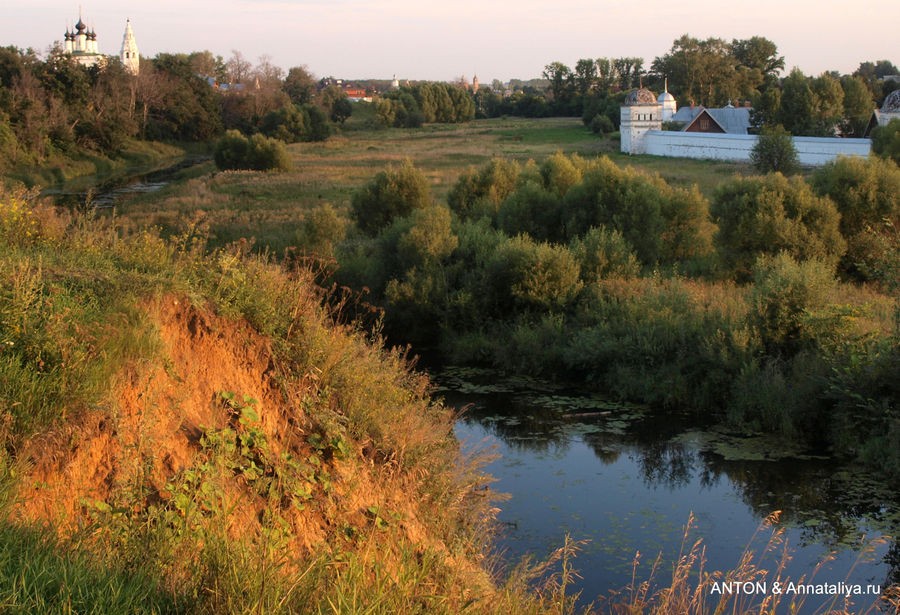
811, 151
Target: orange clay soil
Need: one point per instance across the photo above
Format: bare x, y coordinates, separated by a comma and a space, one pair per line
151, 430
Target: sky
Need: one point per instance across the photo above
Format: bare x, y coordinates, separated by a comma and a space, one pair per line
495, 39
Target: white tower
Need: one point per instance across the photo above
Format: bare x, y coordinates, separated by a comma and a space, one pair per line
131, 59
668, 103
640, 113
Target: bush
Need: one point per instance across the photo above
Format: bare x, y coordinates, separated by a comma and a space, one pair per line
774, 151
391, 193
321, 230
602, 124
771, 214
867, 195
493, 183
259, 153
602, 253
534, 211
660, 222
886, 141
231, 150
525, 275
290, 124
783, 294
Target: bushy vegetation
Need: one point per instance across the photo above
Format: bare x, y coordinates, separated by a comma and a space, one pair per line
767, 215
569, 269
886, 141
391, 193
258, 153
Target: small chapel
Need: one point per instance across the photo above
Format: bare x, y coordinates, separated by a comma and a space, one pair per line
81, 44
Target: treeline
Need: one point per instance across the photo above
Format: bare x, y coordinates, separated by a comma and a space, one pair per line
411, 106
57, 107
743, 307
711, 72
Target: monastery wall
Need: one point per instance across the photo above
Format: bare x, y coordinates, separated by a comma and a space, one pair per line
811, 151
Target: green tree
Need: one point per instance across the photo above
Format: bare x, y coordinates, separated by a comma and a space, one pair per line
774, 151
758, 53
829, 104
702, 71
561, 86
392, 193
886, 140
300, 85
867, 195
797, 112
771, 214
858, 105
341, 111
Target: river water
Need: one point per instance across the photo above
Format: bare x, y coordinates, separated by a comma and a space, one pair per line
627, 479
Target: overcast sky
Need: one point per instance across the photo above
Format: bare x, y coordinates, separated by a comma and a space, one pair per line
502, 39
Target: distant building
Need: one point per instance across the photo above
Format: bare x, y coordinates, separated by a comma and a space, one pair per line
718, 134
81, 45
130, 57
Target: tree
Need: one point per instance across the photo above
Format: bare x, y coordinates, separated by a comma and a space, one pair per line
607, 78
758, 53
585, 76
829, 104
341, 110
886, 141
629, 71
300, 85
237, 68
392, 193
866, 193
858, 105
561, 87
769, 214
699, 71
797, 112
774, 151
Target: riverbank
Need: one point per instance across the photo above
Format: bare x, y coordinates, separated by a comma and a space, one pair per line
96, 167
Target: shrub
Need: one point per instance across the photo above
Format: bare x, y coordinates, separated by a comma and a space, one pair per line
391, 193
493, 183
771, 214
290, 124
783, 294
886, 141
601, 124
867, 195
660, 222
560, 173
602, 253
259, 153
534, 211
525, 275
321, 230
231, 150
774, 151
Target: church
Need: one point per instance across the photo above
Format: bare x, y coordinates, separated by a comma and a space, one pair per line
81, 44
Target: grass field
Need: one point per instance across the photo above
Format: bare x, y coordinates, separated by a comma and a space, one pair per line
269, 207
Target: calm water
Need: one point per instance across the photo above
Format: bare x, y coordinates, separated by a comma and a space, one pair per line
629, 481
108, 190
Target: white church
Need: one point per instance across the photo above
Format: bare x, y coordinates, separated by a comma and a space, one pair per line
717, 134
81, 44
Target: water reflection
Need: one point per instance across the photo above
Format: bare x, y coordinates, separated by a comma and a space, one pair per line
710, 472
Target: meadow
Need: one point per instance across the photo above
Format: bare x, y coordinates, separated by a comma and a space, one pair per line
270, 207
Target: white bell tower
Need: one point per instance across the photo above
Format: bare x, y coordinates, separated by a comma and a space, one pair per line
131, 59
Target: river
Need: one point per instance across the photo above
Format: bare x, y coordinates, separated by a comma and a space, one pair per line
107, 190
627, 479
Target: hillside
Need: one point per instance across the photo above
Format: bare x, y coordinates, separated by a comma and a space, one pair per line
190, 431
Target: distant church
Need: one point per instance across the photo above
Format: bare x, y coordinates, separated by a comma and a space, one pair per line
81, 44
